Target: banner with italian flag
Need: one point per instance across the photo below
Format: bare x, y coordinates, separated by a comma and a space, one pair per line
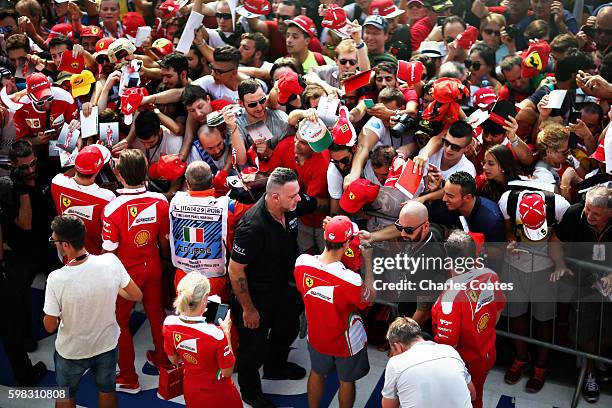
191, 234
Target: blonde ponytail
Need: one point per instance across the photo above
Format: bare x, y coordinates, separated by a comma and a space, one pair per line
191, 290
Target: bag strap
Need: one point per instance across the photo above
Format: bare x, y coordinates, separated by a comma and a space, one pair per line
319, 58
511, 208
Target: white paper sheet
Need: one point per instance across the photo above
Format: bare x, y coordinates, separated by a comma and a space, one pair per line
259, 131
193, 23
89, 125
326, 110
555, 98
142, 34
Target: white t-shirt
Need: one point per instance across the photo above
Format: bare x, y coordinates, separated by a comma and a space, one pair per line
378, 127
335, 182
84, 297
428, 375
462, 165
216, 91
169, 144
527, 262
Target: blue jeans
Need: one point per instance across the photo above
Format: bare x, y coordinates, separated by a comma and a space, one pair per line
68, 372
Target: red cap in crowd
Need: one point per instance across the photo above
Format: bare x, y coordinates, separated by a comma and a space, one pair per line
220, 184
384, 8
336, 20
254, 8
170, 167
352, 256
535, 59
288, 85
131, 21
484, 97
358, 193
467, 38
410, 72
532, 211
304, 23
395, 170
357, 81
89, 160
600, 153
169, 9
339, 229
163, 45
60, 29
92, 31
102, 46
130, 101
38, 86
72, 64
343, 132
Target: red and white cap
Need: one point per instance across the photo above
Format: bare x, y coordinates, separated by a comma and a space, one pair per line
38, 86
92, 31
343, 132
410, 72
305, 23
60, 29
385, 8
336, 20
89, 160
130, 101
163, 45
484, 97
254, 8
532, 213
600, 152
340, 229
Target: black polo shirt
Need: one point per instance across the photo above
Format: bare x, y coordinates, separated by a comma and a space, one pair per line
267, 248
581, 239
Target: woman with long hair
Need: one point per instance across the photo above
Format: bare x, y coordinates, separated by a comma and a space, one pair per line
499, 168
204, 348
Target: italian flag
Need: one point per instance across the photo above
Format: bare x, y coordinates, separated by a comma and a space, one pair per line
191, 234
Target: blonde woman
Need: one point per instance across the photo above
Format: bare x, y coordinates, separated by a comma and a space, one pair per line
493, 32
204, 348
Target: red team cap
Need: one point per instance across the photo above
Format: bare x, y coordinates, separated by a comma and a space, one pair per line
72, 64
535, 59
410, 72
102, 46
254, 8
304, 23
170, 167
288, 85
352, 256
384, 8
60, 29
600, 153
89, 160
169, 9
131, 21
532, 212
92, 31
38, 86
484, 97
339, 229
358, 193
130, 101
163, 45
220, 184
357, 81
467, 38
335, 17
343, 132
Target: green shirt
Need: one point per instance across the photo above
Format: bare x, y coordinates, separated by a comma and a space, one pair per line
311, 62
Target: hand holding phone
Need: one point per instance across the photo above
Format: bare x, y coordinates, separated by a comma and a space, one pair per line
369, 103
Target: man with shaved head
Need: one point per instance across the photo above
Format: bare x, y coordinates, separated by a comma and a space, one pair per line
426, 240
603, 29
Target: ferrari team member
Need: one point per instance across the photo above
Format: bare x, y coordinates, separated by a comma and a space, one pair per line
204, 348
81, 196
337, 342
465, 318
135, 228
203, 228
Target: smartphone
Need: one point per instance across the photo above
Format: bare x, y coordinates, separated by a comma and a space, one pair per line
575, 116
215, 311
132, 82
369, 103
49, 133
440, 20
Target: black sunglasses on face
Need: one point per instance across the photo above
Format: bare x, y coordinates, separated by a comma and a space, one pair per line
224, 16
490, 31
454, 147
351, 62
41, 102
254, 104
220, 71
407, 230
53, 241
30, 165
345, 162
469, 64
102, 59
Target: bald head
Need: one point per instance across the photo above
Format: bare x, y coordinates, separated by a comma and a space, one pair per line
603, 24
198, 176
414, 211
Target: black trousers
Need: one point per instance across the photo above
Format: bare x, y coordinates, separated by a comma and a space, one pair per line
270, 343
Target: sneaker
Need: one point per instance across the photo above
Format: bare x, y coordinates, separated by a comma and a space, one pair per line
290, 371
514, 373
258, 401
603, 373
154, 361
536, 382
590, 389
123, 386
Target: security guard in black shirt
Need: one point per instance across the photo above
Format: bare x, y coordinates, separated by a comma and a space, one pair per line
267, 308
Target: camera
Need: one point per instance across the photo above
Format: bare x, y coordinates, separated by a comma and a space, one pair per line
404, 123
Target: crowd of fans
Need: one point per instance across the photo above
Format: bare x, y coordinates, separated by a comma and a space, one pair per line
208, 144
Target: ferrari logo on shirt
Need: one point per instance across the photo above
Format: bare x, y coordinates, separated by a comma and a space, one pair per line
473, 296
177, 337
133, 210
482, 322
66, 201
309, 282
139, 215
349, 252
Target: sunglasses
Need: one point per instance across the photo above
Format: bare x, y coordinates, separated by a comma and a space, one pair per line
254, 104
407, 230
454, 147
490, 31
224, 16
284, 18
345, 162
41, 102
31, 165
476, 65
220, 71
351, 62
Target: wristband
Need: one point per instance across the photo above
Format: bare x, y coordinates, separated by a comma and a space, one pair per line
360, 46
